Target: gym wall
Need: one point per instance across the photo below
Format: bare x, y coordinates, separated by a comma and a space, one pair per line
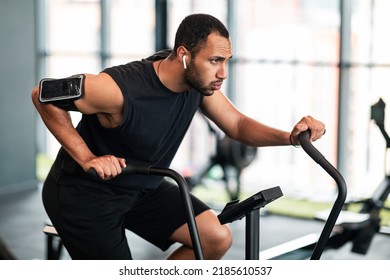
17, 77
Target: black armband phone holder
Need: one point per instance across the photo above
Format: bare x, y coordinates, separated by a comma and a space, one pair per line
62, 92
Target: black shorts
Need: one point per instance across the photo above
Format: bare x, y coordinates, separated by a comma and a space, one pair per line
159, 213
91, 221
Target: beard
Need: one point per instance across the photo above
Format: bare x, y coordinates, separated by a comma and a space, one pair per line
194, 78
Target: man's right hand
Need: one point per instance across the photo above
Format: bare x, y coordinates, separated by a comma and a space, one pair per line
106, 167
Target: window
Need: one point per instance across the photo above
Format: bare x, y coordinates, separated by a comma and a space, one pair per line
286, 66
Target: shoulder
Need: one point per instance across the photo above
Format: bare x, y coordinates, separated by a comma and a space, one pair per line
101, 95
123, 70
131, 73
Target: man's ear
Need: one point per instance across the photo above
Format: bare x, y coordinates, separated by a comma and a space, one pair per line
183, 55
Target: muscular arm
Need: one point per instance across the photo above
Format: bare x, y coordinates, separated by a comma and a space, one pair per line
251, 132
101, 97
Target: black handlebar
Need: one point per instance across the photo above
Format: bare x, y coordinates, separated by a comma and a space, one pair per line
307, 146
129, 169
189, 211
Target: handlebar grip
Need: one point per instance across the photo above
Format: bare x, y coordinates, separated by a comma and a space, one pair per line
92, 172
129, 169
304, 139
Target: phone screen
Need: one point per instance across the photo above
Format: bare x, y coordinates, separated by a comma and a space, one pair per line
59, 89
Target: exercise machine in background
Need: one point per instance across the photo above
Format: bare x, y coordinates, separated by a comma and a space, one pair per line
232, 156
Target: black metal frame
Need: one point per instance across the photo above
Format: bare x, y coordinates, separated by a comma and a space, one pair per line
185, 194
250, 208
304, 139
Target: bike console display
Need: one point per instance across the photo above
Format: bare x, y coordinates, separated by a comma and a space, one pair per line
236, 210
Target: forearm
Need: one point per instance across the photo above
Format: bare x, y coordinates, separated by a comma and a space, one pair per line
60, 125
254, 133
257, 134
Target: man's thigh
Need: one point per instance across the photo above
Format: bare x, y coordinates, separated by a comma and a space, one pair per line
160, 213
90, 222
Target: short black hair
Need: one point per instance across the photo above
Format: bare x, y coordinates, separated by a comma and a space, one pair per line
193, 31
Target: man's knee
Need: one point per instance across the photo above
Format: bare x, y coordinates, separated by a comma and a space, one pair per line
215, 238
224, 237
217, 242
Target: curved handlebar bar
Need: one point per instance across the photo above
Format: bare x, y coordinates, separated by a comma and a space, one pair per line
307, 146
189, 211
129, 169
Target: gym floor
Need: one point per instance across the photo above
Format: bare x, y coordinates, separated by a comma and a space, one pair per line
22, 218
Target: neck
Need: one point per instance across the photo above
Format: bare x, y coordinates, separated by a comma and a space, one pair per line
171, 75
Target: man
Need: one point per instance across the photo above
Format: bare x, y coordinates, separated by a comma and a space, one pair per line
138, 114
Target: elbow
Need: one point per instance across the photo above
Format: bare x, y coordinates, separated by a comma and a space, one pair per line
237, 131
35, 95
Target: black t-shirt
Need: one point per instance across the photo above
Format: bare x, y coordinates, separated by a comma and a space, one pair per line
154, 124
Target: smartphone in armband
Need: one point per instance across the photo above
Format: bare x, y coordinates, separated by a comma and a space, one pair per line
55, 90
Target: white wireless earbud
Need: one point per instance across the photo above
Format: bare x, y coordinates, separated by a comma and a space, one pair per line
184, 62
